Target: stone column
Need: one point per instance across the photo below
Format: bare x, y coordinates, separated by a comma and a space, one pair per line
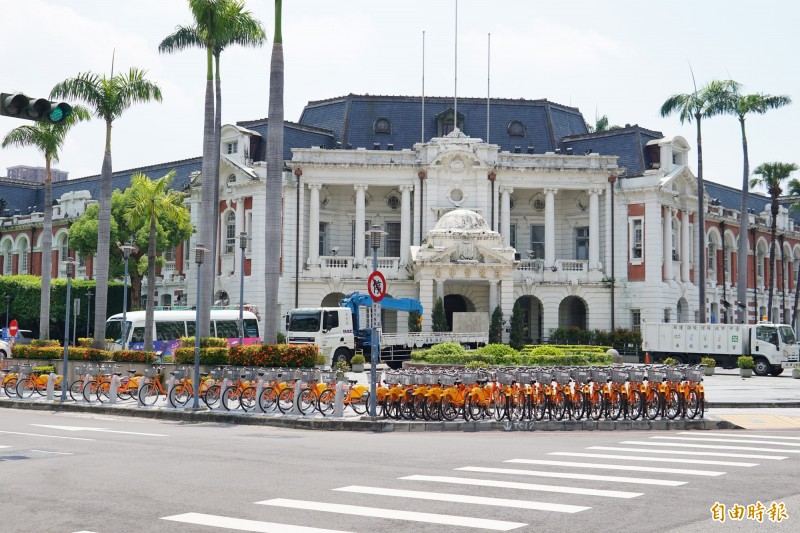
427, 299
667, 242
361, 211
507, 300
686, 242
550, 227
405, 223
505, 215
417, 210
439, 289
594, 228
492, 297
313, 223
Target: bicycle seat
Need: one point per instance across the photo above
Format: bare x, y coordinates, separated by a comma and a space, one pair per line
131, 371
117, 373
352, 381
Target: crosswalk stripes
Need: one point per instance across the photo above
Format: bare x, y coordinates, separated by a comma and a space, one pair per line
684, 452
605, 466
735, 441
413, 516
240, 524
571, 475
711, 446
464, 498
653, 459
523, 486
1, 446
740, 435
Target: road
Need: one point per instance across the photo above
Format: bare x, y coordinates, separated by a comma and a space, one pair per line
67, 472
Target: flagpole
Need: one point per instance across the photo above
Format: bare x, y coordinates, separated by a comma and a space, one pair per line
455, 88
488, 82
422, 117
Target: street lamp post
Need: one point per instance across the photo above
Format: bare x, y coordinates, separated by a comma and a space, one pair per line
243, 245
70, 265
126, 248
199, 256
375, 233
89, 295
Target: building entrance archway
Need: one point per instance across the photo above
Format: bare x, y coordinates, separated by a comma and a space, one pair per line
456, 303
572, 313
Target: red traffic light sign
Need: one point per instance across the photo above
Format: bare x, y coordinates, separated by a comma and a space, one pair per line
376, 286
13, 328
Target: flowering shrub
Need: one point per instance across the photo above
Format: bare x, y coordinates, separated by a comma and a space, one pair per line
82, 353
285, 355
133, 356
29, 351
205, 342
208, 356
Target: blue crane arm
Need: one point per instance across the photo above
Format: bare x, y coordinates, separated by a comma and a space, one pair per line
358, 299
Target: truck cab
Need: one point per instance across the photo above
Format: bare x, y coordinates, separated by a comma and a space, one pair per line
330, 328
773, 347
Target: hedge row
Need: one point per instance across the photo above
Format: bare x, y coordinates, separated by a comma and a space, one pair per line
502, 355
80, 353
264, 355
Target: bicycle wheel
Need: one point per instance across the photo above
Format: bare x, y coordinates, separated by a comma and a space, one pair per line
247, 399
41, 387
652, 405
614, 404
360, 404
596, 404
179, 395
10, 387
211, 397
103, 391
499, 405
286, 400
576, 405
449, 409
419, 407
125, 389
538, 405
76, 390
474, 408
672, 404
230, 398
325, 402
148, 394
25, 387
634, 405
558, 406
268, 400
432, 408
693, 405
517, 405
307, 401
89, 390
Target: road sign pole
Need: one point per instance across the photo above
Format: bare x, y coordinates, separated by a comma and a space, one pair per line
373, 389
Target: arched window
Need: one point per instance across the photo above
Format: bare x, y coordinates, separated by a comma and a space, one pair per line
230, 232
516, 129
382, 125
23, 250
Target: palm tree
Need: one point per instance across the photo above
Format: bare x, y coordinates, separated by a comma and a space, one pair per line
229, 24
272, 229
108, 98
733, 102
149, 201
794, 190
693, 107
48, 139
772, 176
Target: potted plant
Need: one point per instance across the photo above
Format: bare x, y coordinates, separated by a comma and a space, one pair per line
746, 365
320, 361
357, 363
709, 363
341, 367
796, 372
670, 361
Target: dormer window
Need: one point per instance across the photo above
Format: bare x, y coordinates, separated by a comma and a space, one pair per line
445, 122
232, 148
382, 125
516, 129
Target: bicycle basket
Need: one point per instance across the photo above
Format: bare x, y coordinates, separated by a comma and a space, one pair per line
328, 377
544, 376
580, 375
216, 373
231, 373
675, 374
180, 373
562, 376
79, 369
636, 374
148, 372
600, 374
308, 375
619, 375
448, 380
430, 379
523, 376
505, 378
694, 374
91, 369
13, 369
656, 374
25, 369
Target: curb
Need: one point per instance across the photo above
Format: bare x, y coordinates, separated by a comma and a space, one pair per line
368, 425
754, 405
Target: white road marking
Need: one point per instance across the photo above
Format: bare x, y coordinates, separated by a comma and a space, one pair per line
41, 435
55, 453
619, 467
741, 435
740, 441
711, 446
100, 430
565, 475
653, 459
524, 486
682, 452
449, 520
463, 498
1, 446
240, 524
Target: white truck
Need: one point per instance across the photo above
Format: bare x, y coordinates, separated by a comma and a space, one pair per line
337, 332
772, 346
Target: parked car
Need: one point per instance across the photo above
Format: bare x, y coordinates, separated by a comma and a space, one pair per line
5, 350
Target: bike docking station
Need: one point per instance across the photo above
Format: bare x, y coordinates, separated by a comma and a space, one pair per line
51, 385
298, 387
113, 387
170, 386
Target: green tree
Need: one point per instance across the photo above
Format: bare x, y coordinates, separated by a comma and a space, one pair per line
414, 322
272, 230
48, 139
733, 102
690, 107
772, 176
149, 201
108, 98
517, 326
218, 24
601, 124
496, 326
439, 317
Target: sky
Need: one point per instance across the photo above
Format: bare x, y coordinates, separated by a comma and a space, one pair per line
620, 58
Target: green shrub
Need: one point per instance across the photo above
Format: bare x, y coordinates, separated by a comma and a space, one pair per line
85, 341
475, 365
496, 350
208, 356
281, 338
599, 359
745, 361
134, 356
29, 351
168, 359
708, 361
547, 350
447, 348
357, 359
320, 359
45, 342
555, 360
43, 369
205, 342
670, 361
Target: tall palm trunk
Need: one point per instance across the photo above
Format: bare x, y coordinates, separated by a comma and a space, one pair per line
217, 141
273, 212
149, 316
744, 220
206, 214
701, 230
773, 234
796, 299
47, 254
103, 246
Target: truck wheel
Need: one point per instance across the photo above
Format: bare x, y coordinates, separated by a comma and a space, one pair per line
342, 354
775, 371
762, 367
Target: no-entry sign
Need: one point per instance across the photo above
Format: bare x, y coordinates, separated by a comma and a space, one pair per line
376, 286
13, 328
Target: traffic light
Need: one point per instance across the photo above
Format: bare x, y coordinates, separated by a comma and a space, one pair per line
18, 105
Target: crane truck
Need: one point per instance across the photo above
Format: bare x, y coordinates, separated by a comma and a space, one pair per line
339, 333
772, 346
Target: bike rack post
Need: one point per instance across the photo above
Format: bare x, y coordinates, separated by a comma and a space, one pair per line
170, 386
259, 388
142, 383
51, 384
298, 387
338, 400
2, 378
86, 379
112, 389
222, 387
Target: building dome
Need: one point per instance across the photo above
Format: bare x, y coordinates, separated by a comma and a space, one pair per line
461, 220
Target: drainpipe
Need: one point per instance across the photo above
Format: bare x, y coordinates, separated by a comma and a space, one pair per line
421, 175
298, 173
612, 180
492, 177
